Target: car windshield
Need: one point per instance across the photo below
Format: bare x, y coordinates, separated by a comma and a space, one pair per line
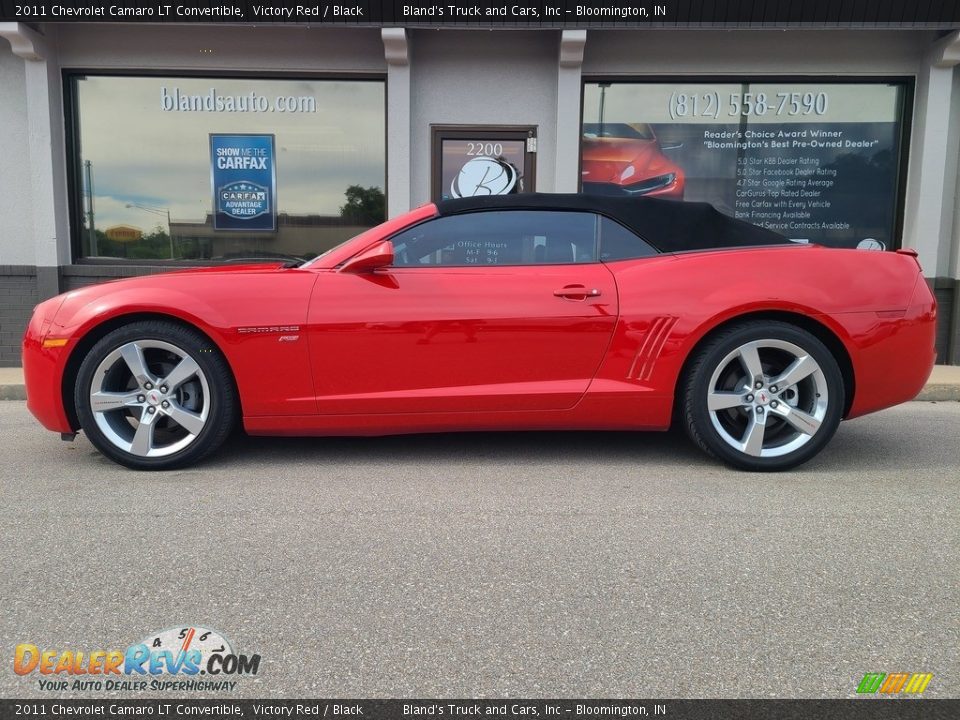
335, 247
632, 131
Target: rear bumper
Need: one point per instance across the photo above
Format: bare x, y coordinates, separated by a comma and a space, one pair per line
895, 354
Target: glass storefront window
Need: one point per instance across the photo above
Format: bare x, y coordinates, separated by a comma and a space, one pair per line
815, 161
225, 169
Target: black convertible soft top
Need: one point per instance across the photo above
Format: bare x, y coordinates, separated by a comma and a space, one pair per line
668, 225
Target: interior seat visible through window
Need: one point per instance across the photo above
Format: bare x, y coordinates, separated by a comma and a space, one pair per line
503, 237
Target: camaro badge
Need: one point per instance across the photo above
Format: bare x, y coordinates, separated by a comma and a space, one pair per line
268, 329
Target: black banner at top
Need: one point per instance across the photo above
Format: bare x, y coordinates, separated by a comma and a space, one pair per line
942, 14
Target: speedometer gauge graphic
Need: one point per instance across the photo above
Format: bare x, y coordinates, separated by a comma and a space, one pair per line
184, 639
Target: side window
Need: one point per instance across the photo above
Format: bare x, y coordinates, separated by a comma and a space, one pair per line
618, 243
501, 237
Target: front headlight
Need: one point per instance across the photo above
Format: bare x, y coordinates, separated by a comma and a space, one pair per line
654, 183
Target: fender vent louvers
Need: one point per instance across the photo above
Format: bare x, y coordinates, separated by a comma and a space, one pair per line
643, 363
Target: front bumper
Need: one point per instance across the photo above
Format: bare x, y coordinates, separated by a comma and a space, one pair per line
43, 367
670, 191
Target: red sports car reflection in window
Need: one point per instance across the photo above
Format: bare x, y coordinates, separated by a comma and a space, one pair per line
627, 159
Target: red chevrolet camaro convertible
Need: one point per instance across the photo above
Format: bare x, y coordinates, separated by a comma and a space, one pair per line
521, 312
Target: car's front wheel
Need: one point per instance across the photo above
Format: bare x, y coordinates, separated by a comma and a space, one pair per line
155, 395
763, 395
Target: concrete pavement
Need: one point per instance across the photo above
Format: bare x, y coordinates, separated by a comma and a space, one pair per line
495, 564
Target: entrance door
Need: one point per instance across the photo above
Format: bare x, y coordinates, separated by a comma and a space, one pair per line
482, 160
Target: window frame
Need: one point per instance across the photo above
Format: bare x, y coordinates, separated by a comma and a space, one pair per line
596, 239
654, 252
74, 163
441, 132
907, 82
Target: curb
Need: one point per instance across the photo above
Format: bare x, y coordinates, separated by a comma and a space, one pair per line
13, 392
940, 393
931, 393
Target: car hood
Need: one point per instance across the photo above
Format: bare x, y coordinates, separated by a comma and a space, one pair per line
604, 159
206, 270
618, 149
182, 279
232, 268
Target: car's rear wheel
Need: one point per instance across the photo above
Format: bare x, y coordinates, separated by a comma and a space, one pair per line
155, 395
763, 395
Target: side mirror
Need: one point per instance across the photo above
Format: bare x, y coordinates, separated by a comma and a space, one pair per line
378, 256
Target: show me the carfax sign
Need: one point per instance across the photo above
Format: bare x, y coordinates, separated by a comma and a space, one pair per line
244, 179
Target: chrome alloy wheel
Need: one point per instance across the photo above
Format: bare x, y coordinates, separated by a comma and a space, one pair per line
767, 398
150, 398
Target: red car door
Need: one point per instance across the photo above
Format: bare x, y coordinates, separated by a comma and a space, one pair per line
479, 313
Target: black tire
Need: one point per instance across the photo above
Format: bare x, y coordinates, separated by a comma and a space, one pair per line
819, 395
206, 401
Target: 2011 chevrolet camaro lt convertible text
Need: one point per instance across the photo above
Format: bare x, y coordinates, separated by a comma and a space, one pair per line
549, 312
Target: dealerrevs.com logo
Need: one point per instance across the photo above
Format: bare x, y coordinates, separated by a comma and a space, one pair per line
188, 658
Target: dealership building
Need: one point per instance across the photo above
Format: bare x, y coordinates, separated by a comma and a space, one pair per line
127, 149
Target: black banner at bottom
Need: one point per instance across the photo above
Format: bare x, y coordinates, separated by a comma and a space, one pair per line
872, 708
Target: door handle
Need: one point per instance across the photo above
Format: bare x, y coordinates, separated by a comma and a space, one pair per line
576, 292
